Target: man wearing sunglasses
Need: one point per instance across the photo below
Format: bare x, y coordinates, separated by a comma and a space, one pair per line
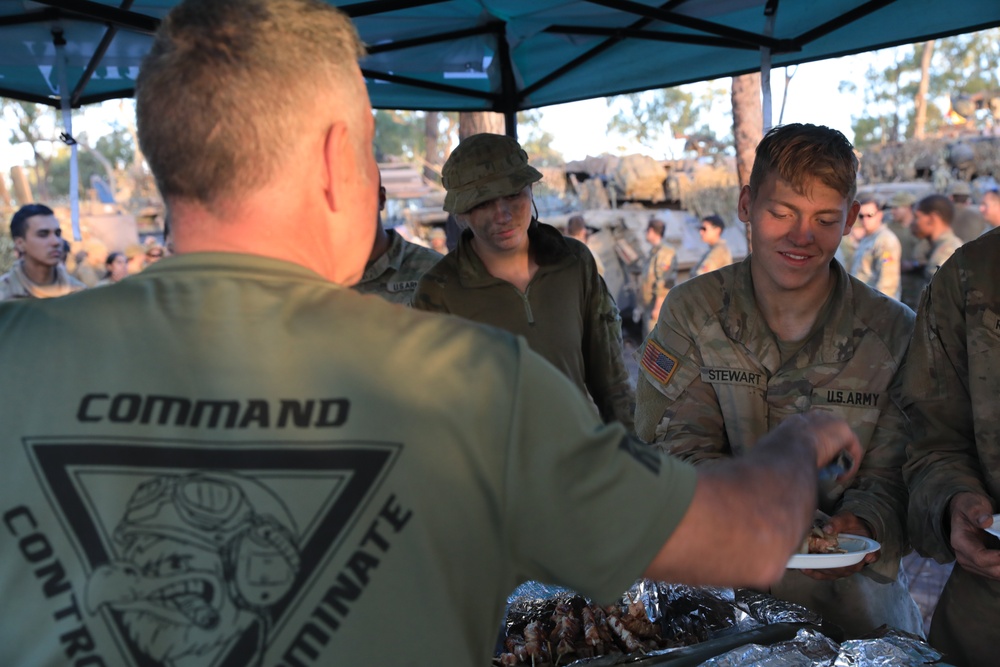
877, 259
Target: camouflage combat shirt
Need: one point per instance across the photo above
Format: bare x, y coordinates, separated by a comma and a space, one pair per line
711, 383
660, 274
876, 262
953, 408
566, 314
714, 258
394, 275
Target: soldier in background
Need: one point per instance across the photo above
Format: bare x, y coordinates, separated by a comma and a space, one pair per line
717, 255
967, 223
659, 275
741, 349
953, 466
913, 251
514, 272
876, 261
38, 273
395, 265
932, 221
990, 209
576, 228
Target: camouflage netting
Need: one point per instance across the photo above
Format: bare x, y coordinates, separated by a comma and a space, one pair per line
706, 190
937, 159
6, 252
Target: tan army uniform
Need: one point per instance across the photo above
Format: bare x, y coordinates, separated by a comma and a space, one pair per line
876, 262
16, 285
714, 258
394, 275
566, 314
257, 495
658, 277
956, 421
712, 382
941, 249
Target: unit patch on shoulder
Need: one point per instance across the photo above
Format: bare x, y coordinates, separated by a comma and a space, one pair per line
660, 363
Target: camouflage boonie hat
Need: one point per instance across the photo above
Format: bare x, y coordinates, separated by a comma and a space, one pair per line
485, 167
901, 199
960, 188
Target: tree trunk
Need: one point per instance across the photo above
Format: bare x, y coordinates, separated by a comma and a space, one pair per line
475, 122
748, 126
432, 164
920, 121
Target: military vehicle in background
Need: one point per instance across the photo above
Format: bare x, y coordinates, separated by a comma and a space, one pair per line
414, 204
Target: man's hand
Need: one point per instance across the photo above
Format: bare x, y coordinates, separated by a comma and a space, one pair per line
845, 522
970, 513
829, 434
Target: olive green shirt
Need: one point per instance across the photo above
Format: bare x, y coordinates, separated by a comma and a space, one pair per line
566, 313
251, 465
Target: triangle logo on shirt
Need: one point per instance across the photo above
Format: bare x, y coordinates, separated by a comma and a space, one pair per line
217, 545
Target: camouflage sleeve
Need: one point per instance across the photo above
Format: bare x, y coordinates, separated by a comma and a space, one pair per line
607, 377
942, 459
887, 265
717, 258
877, 495
675, 410
429, 296
665, 271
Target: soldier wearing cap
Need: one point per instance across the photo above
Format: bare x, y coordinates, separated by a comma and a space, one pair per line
514, 272
967, 223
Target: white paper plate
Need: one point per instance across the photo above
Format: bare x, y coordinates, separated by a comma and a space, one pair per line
857, 548
995, 528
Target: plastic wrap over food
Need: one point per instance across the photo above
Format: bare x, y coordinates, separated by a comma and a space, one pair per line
768, 610
809, 647
893, 649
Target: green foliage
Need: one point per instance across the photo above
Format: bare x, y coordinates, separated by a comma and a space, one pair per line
537, 143
960, 65
400, 134
648, 117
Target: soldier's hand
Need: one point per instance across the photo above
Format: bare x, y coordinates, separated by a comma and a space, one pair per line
970, 514
830, 436
845, 522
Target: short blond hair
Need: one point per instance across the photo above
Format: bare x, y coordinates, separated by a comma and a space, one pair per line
801, 151
228, 85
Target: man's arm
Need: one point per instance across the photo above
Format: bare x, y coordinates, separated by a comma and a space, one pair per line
942, 460
606, 376
749, 514
888, 266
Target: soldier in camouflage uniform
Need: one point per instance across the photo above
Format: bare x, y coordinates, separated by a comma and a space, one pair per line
660, 273
877, 259
395, 264
913, 251
953, 466
514, 272
932, 221
717, 255
787, 330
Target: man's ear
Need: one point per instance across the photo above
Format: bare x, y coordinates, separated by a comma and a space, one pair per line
852, 217
743, 205
337, 157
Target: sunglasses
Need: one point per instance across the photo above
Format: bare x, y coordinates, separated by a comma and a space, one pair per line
865, 216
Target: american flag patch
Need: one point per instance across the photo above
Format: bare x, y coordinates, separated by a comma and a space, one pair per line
658, 362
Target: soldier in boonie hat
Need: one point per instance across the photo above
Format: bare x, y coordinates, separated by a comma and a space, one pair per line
485, 167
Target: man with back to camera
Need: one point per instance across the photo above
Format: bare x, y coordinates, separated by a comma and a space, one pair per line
516, 273
877, 259
913, 251
952, 379
395, 265
718, 255
739, 350
966, 222
297, 458
39, 272
932, 222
